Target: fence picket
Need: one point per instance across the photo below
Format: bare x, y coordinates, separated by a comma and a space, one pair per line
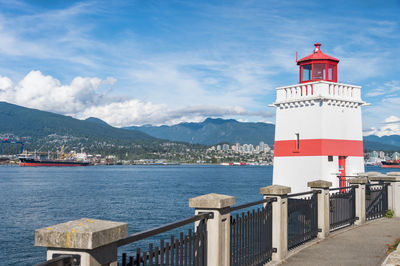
251, 236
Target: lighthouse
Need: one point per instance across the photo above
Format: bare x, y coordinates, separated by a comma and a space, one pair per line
318, 133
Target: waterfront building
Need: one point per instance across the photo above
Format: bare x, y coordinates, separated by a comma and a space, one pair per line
267, 148
318, 133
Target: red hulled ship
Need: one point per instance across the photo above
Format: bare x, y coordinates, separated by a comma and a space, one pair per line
26, 161
391, 164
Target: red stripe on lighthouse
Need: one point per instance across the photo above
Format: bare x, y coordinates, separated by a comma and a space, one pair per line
319, 147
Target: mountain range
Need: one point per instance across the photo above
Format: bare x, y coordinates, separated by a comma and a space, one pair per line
46, 131
93, 132
21, 121
212, 131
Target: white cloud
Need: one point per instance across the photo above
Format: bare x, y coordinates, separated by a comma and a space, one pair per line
386, 89
89, 96
47, 93
183, 80
230, 56
390, 126
135, 112
5, 84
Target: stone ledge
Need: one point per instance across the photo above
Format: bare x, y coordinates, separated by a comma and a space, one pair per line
359, 180
319, 184
212, 201
368, 174
384, 178
276, 190
83, 233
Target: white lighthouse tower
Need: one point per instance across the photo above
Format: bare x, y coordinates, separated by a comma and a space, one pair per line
318, 132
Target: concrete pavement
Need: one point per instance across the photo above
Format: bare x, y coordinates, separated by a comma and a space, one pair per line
356, 245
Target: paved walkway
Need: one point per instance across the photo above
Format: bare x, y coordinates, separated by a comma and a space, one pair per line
358, 245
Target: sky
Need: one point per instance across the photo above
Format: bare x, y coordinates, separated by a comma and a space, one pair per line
166, 62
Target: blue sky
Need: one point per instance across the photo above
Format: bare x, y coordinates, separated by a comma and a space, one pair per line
164, 62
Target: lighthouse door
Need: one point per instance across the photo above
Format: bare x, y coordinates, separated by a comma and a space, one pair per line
342, 170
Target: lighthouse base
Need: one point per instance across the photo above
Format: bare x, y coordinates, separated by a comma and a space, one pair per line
296, 171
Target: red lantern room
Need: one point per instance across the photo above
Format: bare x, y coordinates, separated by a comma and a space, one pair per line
318, 66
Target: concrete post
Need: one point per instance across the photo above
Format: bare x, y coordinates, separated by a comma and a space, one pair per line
93, 241
323, 205
218, 228
360, 198
279, 219
393, 190
394, 194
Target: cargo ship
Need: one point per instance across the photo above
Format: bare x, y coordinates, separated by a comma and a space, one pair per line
63, 159
391, 164
29, 161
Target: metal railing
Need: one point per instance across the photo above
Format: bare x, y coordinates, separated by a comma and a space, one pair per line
342, 207
344, 180
376, 200
189, 249
62, 260
251, 234
302, 218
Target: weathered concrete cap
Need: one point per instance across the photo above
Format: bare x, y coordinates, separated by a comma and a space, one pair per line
393, 174
84, 233
319, 184
370, 174
385, 178
275, 190
359, 180
212, 201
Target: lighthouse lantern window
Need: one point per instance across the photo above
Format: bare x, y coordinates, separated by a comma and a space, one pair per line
331, 70
306, 72
318, 66
319, 71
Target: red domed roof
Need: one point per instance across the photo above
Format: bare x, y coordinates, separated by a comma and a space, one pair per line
317, 55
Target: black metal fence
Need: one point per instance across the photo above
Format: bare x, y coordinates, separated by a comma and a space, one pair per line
251, 234
342, 207
376, 200
189, 249
62, 260
302, 218
344, 180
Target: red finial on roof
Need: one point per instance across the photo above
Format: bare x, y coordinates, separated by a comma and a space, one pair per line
317, 55
318, 66
317, 47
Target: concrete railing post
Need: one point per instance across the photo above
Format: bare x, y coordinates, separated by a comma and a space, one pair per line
218, 228
92, 241
393, 190
279, 219
394, 194
323, 205
360, 198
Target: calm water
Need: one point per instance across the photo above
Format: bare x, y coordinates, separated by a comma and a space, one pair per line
142, 196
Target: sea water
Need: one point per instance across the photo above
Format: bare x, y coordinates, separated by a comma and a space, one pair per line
142, 196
